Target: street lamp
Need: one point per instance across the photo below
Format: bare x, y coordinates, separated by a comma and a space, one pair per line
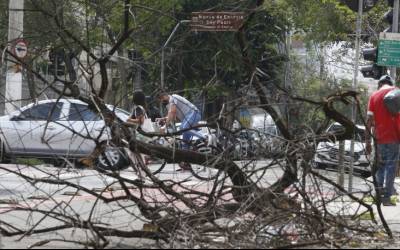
163, 51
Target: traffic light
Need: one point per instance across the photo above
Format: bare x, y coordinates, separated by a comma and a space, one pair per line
57, 62
388, 17
353, 4
372, 71
133, 54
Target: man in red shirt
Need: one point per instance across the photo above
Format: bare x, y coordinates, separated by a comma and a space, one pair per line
383, 126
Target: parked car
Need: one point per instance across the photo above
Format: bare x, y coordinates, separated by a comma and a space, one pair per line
247, 144
58, 128
255, 118
327, 154
258, 134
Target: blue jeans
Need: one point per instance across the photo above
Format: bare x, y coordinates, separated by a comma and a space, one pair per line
388, 157
189, 121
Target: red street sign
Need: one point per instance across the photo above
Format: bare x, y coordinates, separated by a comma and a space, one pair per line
20, 48
217, 21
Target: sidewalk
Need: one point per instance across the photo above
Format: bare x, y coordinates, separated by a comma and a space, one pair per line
392, 214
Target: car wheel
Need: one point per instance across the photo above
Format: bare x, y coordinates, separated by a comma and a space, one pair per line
112, 159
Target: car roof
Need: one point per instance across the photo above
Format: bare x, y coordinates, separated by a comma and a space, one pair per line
55, 100
75, 101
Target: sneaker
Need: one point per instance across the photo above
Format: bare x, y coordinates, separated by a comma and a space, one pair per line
387, 202
380, 192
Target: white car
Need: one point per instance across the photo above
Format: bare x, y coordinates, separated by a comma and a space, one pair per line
57, 128
327, 154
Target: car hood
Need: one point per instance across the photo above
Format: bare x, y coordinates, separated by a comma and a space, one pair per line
5, 118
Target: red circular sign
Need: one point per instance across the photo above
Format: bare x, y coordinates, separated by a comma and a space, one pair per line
20, 49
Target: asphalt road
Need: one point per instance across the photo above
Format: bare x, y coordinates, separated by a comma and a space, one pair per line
17, 192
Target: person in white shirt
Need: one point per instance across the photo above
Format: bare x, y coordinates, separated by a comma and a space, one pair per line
179, 108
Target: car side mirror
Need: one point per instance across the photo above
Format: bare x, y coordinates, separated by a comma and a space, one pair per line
20, 117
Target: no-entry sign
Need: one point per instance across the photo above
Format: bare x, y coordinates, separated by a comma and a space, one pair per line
20, 49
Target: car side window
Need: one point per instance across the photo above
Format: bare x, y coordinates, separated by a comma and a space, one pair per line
43, 112
80, 112
336, 129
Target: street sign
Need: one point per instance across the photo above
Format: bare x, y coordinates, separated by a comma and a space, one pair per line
20, 49
217, 21
389, 50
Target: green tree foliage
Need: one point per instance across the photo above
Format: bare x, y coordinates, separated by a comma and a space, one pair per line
326, 21
193, 59
217, 54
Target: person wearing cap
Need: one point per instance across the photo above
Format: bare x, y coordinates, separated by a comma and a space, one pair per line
179, 108
384, 126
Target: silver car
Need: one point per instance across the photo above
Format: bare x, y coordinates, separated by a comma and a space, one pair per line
327, 154
57, 128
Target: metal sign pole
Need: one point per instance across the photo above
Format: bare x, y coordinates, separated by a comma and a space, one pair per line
355, 84
163, 52
395, 24
340, 180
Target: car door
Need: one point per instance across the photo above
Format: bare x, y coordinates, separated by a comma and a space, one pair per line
17, 134
47, 134
33, 129
87, 127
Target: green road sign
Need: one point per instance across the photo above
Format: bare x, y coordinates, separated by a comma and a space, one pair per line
389, 50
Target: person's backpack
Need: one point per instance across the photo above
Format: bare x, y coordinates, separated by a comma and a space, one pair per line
392, 101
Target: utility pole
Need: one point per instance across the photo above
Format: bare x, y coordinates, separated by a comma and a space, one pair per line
395, 29
340, 179
355, 85
13, 89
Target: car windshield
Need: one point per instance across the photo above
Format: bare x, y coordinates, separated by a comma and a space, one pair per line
336, 128
271, 130
123, 111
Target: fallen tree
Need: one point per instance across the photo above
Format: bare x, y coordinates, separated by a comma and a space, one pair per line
240, 207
